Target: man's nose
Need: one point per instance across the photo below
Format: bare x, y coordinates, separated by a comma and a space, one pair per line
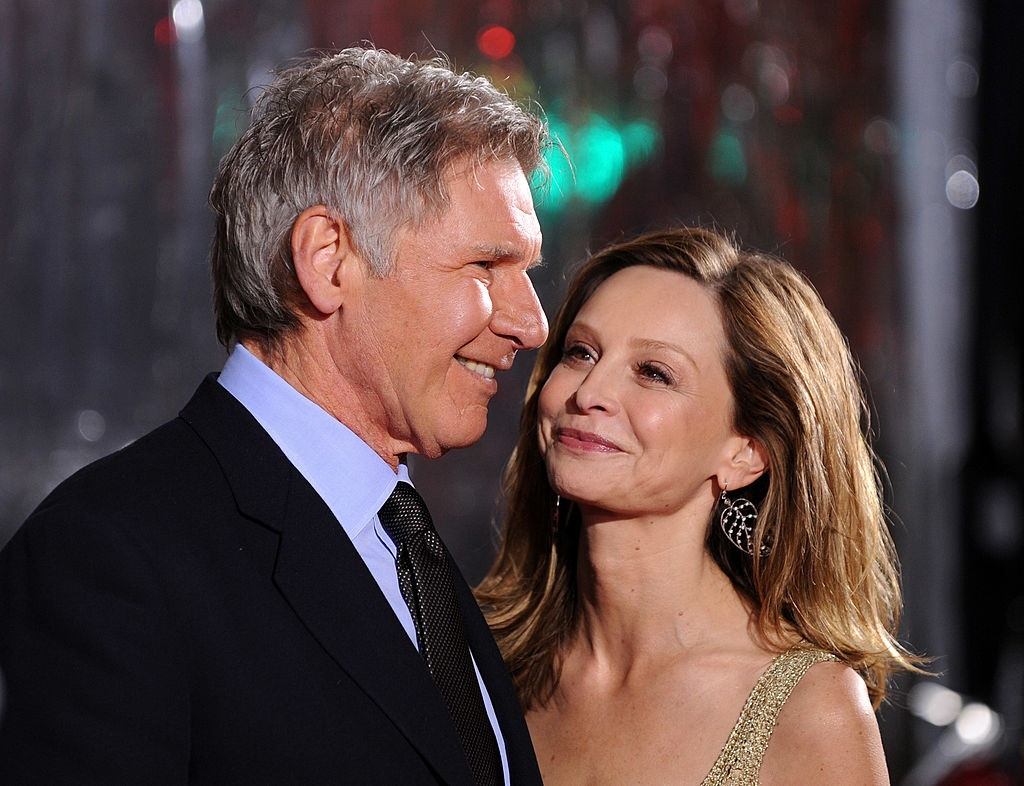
518, 314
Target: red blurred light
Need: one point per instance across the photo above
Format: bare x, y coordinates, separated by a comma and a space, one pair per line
163, 32
496, 42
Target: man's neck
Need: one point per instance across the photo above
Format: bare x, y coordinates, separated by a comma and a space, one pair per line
306, 363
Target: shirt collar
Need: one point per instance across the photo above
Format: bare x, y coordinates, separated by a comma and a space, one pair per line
347, 474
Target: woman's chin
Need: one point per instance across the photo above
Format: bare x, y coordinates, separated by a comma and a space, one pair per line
586, 492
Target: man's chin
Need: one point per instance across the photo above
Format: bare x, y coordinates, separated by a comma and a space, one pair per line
467, 431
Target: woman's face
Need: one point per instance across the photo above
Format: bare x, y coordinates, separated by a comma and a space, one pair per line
636, 417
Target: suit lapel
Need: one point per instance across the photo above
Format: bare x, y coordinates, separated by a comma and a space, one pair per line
325, 581
522, 761
331, 590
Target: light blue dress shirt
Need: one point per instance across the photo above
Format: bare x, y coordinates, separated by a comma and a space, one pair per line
347, 474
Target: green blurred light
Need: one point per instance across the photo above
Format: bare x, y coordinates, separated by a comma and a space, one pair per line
553, 192
600, 159
599, 155
226, 122
640, 138
726, 159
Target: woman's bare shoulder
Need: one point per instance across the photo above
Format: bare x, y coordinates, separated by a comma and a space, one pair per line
826, 733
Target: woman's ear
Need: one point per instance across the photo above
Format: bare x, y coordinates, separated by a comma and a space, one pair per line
320, 249
747, 463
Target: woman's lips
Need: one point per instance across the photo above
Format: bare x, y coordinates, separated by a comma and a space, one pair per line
585, 441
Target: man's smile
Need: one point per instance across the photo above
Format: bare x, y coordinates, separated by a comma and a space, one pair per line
477, 367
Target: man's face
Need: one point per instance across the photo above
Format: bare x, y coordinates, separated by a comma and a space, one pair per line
423, 345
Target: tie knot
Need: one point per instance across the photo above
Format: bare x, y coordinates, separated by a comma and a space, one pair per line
405, 516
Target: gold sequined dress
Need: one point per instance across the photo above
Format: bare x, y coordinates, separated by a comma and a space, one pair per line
740, 760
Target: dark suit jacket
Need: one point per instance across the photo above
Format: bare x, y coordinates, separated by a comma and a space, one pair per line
189, 610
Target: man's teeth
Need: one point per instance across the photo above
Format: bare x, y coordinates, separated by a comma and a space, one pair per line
477, 368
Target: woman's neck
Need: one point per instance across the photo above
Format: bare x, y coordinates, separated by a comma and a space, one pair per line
649, 591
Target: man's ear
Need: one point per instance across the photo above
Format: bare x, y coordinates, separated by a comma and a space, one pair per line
320, 249
747, 463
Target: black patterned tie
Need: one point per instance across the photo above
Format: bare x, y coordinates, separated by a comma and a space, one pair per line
426, 579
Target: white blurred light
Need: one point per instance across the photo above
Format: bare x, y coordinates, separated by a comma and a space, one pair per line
775, 83
738, 103
962, 79
188, 20
932, 702
760, 54
650, 83
977, 725
655, 45
91, 425
962, 190
960, 161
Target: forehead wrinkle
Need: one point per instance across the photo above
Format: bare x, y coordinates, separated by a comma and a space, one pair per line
504, 251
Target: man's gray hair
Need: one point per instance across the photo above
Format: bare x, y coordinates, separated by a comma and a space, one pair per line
371, 136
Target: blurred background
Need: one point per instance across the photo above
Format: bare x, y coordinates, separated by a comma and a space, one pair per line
876, 145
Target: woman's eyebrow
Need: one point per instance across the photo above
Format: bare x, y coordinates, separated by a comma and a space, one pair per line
651, 344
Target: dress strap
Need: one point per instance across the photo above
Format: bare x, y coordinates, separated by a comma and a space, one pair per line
740, 760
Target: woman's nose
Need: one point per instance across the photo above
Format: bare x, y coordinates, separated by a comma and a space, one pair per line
596, 391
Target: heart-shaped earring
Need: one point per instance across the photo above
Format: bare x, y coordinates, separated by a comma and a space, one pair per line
738, 517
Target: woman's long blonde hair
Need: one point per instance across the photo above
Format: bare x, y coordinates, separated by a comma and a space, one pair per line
830, 575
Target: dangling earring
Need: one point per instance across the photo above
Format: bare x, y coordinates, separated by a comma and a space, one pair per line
738, 517
556, 519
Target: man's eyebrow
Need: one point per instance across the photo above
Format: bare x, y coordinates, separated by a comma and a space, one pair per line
651, 344
504, 252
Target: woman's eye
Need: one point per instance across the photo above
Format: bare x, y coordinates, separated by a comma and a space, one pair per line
654, 373
577, 352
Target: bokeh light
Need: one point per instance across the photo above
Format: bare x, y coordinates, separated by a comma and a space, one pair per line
963, 190
738, 103
163, 32
640, 139
962, 79
881, 136
91, 425
727, 161
553, 194
655, 45
600, 159
188, 20
600, 153
496, 42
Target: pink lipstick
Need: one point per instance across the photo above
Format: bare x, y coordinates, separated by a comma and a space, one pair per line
585, 441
